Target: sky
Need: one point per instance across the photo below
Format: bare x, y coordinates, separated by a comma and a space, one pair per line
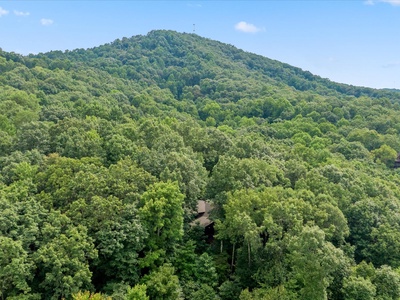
350, 41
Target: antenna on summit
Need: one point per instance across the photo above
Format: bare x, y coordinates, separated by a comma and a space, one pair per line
194, 28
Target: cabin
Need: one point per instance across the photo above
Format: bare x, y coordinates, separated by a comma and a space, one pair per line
202, 219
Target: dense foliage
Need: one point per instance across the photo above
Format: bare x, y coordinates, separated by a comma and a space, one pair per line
105, 152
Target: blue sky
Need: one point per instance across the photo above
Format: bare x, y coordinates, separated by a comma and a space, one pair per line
355, 42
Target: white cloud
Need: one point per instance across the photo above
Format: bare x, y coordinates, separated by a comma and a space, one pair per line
21, 13
3, 12
392, 2
194, 5
247, 27
46, 22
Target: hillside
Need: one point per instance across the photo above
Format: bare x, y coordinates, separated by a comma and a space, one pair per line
191, 58
105, 152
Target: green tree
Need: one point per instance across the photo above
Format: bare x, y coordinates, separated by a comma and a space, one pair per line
383, 248
184, 261
161, 214
163, 284
312, 260
89, 296
205, 271
387, 282
138, 292
117, 234
204, 292
184, 166
371, 139
229, 290
358, 288
278, 293
385, 155
231, 173
15, 268
63, 262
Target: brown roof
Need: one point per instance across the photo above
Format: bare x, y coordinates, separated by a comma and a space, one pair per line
203, 209
201, 206
202, 221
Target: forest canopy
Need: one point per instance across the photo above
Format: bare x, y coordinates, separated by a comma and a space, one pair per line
105, 153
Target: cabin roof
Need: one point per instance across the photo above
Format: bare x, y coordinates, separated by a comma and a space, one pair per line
201, 206
203, 209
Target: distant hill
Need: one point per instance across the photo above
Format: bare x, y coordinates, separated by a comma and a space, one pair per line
190, 58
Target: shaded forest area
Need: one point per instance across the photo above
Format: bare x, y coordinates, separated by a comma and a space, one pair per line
105, 152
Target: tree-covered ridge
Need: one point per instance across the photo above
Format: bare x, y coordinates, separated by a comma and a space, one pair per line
105, 152
189, 58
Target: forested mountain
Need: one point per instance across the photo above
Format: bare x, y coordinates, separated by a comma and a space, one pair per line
105, 152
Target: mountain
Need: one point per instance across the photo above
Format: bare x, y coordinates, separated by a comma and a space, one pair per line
191, 58
105, 153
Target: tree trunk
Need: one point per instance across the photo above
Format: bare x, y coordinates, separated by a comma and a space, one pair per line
248, 252
233, 256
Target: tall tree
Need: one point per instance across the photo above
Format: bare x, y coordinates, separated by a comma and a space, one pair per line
161, 214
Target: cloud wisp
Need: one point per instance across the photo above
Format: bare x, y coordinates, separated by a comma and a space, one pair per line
3, 12
21, 13
194, 5
46, 22
394, 64
391, 2
247, 27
